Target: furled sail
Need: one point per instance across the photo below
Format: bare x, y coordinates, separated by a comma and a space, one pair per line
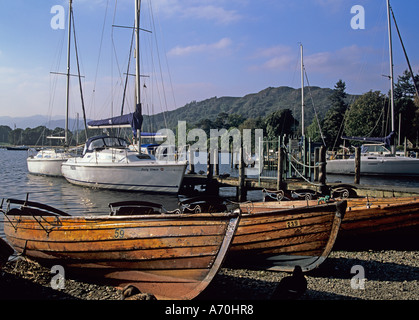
388, 141
133, 120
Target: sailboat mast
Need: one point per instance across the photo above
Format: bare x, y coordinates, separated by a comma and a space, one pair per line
137, 65
302, 90
390, 41
70, 10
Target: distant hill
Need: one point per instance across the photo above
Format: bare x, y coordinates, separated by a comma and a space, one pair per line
250, 106
39, 120
254, 105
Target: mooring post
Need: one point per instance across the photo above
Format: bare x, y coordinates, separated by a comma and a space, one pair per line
231, 155
316, 167
289, 160
280, 176
309, 159
357, 165
191, 161
216, 164
322, 171
241, 188
209, 167
304, 157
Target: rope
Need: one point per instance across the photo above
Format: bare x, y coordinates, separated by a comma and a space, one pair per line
304, 165
304, 178
314, 108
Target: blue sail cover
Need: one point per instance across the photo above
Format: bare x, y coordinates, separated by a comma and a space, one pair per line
388, 141
135, 120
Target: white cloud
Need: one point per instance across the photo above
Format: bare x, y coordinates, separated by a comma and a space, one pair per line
210, 12
332, 5
22, 88
326, 62
274, 58
182, 51
190, 10
347, 59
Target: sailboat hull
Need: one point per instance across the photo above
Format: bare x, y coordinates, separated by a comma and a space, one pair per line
47, 163
374, 165
147, 176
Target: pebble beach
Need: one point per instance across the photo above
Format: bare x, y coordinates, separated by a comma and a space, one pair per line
382, 268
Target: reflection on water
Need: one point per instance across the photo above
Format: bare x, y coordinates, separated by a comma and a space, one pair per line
58, 193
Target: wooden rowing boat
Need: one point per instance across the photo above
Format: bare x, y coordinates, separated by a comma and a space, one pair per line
171, 256
366, 215
5, 252
279, 239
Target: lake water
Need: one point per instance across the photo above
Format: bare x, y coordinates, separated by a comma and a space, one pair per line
58, 193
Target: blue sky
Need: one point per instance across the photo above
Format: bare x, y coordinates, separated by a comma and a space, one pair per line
198, 49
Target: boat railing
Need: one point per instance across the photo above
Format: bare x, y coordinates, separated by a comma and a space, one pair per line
129, 208
30, 208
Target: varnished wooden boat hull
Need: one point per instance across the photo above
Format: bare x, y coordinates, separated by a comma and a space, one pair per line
368, 215
170, 256
280, 239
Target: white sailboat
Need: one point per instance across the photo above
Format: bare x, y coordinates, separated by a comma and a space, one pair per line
48, 161
385, 162
109, 163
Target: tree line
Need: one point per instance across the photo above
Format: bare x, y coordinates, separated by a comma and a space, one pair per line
36, 136
367, 115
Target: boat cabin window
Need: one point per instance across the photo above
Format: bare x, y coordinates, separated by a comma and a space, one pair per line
144, 156
113, 142
97, 144
105, 142
374, 148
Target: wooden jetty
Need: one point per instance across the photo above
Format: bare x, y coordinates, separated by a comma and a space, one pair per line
211, 181
213, 185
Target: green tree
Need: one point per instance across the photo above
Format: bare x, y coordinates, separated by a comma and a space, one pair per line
206, 125
406, 110
333, 121
368, 115
279, 123
313, 131
404, 88
4, 134
253, 123
235, 120
16, 137
221, 122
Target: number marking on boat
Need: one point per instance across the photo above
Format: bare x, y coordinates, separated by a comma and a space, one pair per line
119, 233
293, 223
